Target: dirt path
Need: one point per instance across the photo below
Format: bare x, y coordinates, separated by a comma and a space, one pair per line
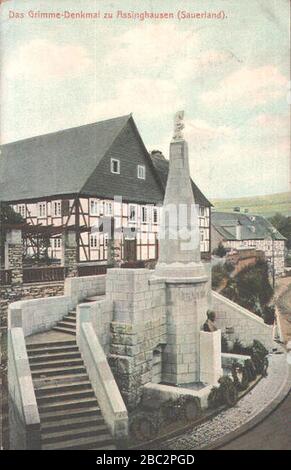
283, 306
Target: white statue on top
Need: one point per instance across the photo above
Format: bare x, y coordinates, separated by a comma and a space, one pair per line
178, 125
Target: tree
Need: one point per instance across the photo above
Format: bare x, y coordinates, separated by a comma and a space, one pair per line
251, 289
283, 225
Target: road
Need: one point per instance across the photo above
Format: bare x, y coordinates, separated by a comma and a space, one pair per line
274, 433
283, 306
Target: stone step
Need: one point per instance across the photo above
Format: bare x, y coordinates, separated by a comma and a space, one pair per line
50, 344
60, 380
53, 356
67, 323
64, 396
108, 447
52, 371
71, 423
52, 350
69, 331
70, 318
81, 443
59, 388
67, 404
64, 435
57, 363
52, 415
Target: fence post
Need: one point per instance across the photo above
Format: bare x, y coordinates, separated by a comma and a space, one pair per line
69, 253
13, 255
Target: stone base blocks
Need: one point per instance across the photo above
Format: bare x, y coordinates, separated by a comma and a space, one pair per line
210, 357
138, 329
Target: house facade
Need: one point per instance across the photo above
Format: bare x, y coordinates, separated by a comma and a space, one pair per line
236, 230
98, 179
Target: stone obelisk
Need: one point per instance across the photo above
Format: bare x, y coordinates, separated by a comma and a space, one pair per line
181, 269
179, 232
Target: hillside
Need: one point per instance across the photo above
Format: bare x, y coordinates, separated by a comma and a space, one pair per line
262, 205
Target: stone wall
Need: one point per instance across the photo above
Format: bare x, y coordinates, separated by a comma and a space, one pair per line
78, 288
138, 329
99, 314
37, 315
238, 322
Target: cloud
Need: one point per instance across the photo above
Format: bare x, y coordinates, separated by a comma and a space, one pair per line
143, 96
248, 87
151, 46
40, 59
200, 129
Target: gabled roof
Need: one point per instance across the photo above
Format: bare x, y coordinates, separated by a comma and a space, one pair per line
57, 163
253, 227
162, 166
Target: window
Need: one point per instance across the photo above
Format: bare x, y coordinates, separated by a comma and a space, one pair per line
57, 243
42, 209
115, 166
94, 207
21, 210
93, 241
141, 172
57, 209
132, 213
108, 210
144, 214
155, 215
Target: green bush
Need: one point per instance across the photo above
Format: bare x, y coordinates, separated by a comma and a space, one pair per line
218, 274
224, 344
269, 314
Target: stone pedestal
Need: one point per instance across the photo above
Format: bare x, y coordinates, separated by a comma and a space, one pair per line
186, 305
210, 357
14, 255
69, 253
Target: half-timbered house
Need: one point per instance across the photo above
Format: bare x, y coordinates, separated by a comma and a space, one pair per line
86, 176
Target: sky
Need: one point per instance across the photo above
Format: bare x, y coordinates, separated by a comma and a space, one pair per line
230, 76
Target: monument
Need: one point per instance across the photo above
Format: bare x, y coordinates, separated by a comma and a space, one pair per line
179, 264
158, 316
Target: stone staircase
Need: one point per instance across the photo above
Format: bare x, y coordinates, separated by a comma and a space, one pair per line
67, 324
70, 417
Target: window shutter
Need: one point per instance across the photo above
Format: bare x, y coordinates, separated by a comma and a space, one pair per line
65, 207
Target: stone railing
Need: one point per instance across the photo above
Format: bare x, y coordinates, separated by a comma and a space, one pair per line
237, 322
79, 288
24, 421
102, 380
37, 315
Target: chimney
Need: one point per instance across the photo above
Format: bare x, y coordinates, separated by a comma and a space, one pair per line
238, 229
157, 154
